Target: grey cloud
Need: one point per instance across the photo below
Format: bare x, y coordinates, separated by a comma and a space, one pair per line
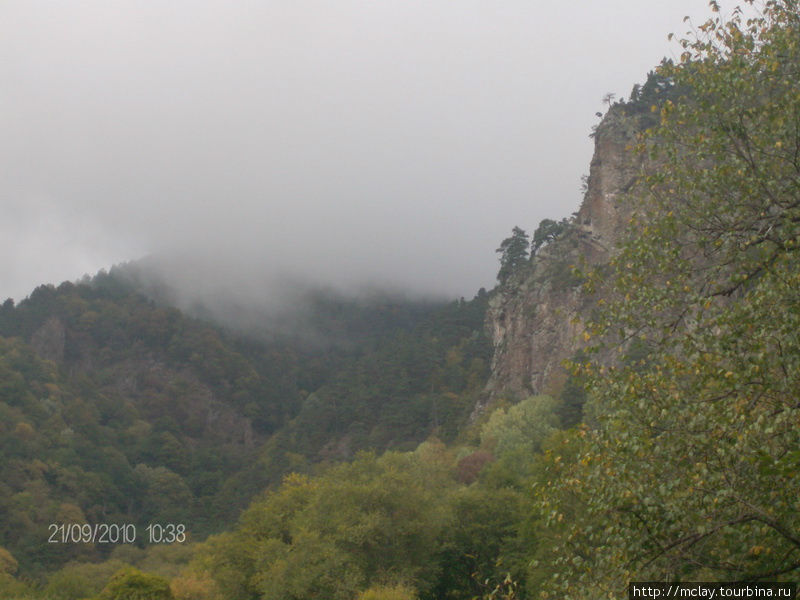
346, 142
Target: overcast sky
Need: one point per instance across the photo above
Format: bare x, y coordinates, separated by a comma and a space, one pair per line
341, 141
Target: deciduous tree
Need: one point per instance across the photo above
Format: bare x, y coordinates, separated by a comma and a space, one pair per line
693, 472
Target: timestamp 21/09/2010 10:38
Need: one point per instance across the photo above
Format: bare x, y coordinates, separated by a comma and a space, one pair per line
115, 533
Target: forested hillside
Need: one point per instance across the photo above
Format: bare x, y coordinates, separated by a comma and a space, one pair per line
668, 448
118, 410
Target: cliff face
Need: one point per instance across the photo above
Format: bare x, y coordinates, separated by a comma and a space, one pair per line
48, 341
535, 319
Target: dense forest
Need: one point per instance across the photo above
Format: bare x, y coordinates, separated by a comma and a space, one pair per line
355, 467
119, 410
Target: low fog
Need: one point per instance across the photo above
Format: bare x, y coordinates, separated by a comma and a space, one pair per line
344, 143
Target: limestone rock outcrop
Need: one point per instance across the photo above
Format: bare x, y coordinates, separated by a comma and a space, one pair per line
535, 320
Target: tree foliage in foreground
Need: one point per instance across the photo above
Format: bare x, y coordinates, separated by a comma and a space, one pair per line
694, 470
397, 526
132, 584
371, 522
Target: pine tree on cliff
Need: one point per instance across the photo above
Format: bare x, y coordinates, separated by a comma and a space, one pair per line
513, 254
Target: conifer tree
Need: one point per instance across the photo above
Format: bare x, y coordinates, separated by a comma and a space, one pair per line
513, 254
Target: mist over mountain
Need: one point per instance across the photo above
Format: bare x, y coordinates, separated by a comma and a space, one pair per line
264, 306
346, 144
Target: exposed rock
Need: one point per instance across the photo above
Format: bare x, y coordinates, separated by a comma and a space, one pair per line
337, 450
612, 172
535, 319
225, 422
48, 341
202, 413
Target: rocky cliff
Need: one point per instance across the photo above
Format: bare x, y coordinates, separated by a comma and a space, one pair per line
535, 319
